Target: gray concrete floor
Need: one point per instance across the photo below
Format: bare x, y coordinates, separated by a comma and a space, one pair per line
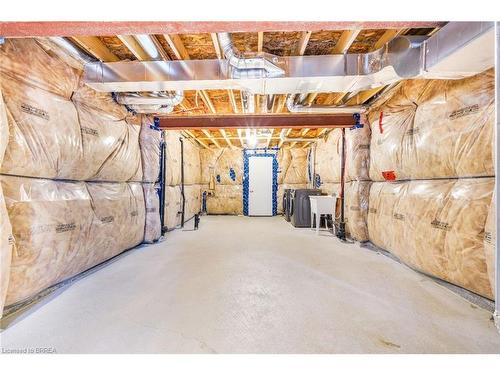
254, 285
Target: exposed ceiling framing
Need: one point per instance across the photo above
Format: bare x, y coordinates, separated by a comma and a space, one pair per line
214, 118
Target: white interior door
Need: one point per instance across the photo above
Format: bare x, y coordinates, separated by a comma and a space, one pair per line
260, 186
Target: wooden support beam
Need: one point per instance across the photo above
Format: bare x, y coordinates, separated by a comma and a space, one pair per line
209, 135
283, 133
208, 102
310, 98
363, 96
345, 41
267, 121
133, 46
226, 138
191, 134
387, 37
232, 100
240, 138
281, 103
216, 44
260, 41
175, 43
96, 48
302, 45
269, 138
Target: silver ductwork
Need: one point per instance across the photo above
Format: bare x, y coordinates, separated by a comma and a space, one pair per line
458, 50
248, 102
294, 107
157, 98
248, 67
150, 109
72, 50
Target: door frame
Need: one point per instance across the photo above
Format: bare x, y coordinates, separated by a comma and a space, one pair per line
259, 152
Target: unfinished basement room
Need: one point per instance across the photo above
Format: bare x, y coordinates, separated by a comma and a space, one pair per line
248, 187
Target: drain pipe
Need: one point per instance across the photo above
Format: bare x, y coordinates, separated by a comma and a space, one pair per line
299, 108
183, 196
341, 231
150, 108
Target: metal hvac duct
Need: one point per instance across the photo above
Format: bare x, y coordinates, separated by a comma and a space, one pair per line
458, 50
159, 99
150, 108
299, 108
248, 67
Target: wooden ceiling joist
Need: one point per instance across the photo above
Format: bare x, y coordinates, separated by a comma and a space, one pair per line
232, 100
216, 44
191, 134
226, 138
387, 37
269, 138
212, 139
345, 41
175, 43
96, 48
260, 41
134, 46
304, 40
364, 96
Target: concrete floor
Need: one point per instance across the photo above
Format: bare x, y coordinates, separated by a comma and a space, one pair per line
254, 285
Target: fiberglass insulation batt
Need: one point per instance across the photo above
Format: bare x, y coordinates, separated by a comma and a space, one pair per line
436, 226
434, 129
6, 238
63, 228
150, 142
24, 60
152, 230
439, 135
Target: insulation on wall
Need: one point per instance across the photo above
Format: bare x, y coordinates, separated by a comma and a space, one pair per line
150, 143
172, 158
434, 129
436, 226
63, 228
172, 207
357, 166
152, 230
193, 200
489, 243
224, 164
296, 169
99, 101
45, 136
25, 61
111, 148
192, 164
6, 238
327, 157
357, 194
224, 200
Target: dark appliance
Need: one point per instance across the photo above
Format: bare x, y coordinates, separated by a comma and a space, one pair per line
300, 207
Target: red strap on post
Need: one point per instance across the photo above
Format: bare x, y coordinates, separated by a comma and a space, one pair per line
380, 118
